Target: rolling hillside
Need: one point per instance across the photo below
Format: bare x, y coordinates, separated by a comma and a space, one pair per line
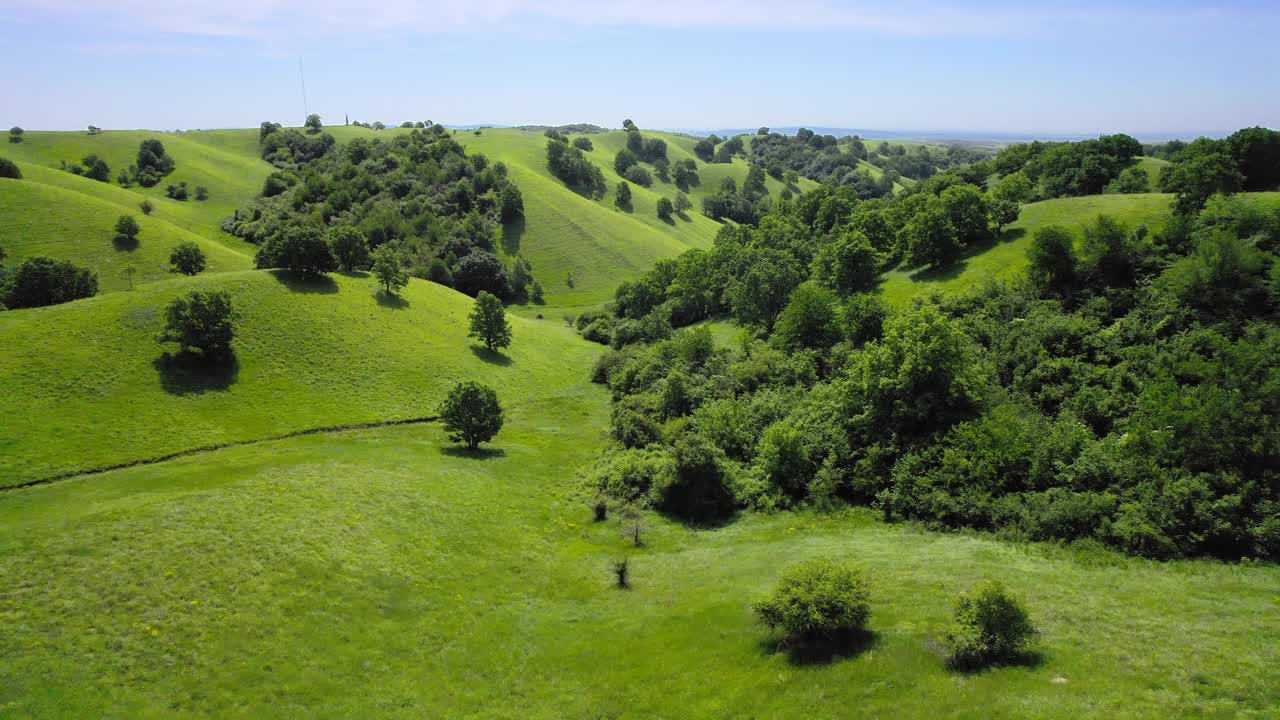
563, 232
94, 388
78, 225
1008, 256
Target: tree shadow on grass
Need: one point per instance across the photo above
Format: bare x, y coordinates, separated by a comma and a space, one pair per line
188, 373
493, 357
684, 216
462, 451
668, 220
124, 243
511, 234
391, 301
940, 273
823, 650
1029, 659
624, 207
305, 283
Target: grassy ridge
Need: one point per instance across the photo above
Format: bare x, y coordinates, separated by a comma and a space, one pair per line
90, 382
219, 160
563, 232
39, 219
381, 573
1007, 256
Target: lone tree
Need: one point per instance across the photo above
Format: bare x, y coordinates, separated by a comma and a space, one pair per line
312, 124
187, 258
9, 169
386, 267
203, 321
15, 134
127, 228
623, 197
683, 204
817, 600
471, 413
489, 322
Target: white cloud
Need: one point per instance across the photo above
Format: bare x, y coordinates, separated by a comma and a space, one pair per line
260, 18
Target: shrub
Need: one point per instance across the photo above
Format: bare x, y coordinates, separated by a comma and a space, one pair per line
9, 169
202, 192
990, 626
146, 207
187, 258
471, 414
817, 600
622, 572
41, 281
201, 320
583, 144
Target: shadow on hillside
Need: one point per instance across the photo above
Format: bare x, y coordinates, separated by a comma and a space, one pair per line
823, 651
394, 302
493, 357
463, 451
188, 373
124, 243
668, 220
624, 207
512, 232
1029, 659
684, 216
941, 273
304, 283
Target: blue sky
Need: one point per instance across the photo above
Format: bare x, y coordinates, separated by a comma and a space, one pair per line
1150, 69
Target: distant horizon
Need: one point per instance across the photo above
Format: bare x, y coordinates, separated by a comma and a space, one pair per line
911, 134
999, 68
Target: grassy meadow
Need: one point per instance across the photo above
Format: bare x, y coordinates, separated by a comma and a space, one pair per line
94, 388
383, 573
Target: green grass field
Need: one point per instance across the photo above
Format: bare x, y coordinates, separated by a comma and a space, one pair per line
381, 573
89, 381
40, 219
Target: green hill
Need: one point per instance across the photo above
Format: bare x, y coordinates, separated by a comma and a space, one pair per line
90, 383
78, 225
1008, 256
563, 232
224, 161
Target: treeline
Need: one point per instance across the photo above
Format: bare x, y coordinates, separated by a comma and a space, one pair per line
827, 235
1125, 391
419, 194
1247, 160
822, 158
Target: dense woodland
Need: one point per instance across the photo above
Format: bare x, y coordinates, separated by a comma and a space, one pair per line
1124, 391
419, 194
